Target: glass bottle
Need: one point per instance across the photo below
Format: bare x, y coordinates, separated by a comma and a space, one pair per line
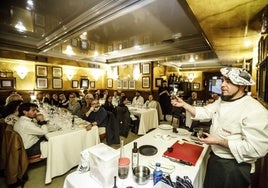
157, 174
123, 163
135, 156
73, 123
122, 154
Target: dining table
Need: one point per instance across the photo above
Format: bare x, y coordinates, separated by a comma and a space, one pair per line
160, 139
67, 138
148, 118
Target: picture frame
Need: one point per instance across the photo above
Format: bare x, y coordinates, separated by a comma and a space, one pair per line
56, 83
75, 83
109, 83
57, 72
84, 83
84, 45
125, 84
74, 42
41, 83
145, 82
110, 48
146, 68
196, 86
131, 84
7, 83
119, 84
92, 46
92, 84
41, 70
158, 82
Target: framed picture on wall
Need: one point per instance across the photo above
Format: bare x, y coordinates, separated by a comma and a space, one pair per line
119, 84
57, 72
145, 82
125, 84
56, 83
158, 82
84, 45
146, 68
41, 70
74, 83
84, 83
92, 84
196, 86
7, 83
41, 83
131, 84
110, 83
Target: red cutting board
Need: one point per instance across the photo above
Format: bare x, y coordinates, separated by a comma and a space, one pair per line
184, 152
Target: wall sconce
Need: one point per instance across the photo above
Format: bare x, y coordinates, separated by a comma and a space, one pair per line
191, 77
69, 50
136, 71
22, 72
97, 73
115, 72
69, 74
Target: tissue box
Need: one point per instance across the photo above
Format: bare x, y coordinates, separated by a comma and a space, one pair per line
103, 164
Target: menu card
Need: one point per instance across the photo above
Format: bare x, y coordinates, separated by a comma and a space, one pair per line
184, 152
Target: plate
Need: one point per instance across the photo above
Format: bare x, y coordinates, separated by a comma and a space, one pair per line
148, 150
165, 126
182, 131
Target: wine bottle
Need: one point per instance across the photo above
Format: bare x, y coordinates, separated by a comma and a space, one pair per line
122, 152
115, 186
135, 156
73, 123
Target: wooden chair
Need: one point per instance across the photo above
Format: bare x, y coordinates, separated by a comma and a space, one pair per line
177, 114
35, 159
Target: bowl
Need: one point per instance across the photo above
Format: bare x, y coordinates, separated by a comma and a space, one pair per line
141, 175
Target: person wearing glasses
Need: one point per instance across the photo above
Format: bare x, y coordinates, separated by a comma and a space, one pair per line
96, 115
238, 134
74, 106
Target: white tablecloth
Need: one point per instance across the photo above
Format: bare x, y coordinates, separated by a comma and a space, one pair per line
148, 119
64, 149
195, 173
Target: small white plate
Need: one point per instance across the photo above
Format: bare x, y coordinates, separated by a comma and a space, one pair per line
183, 131
165, 126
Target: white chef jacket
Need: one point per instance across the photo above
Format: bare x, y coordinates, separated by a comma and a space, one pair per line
243, 122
